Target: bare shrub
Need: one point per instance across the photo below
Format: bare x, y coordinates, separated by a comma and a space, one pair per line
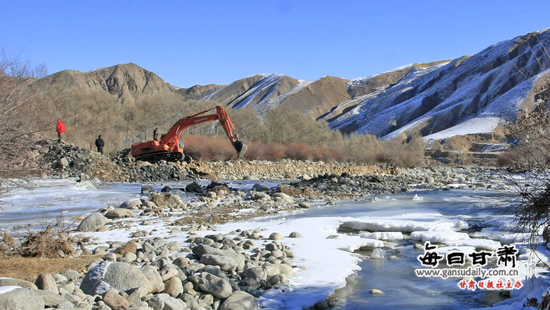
197, 147
531, 132
274, 151
21, 114
529, 153
221, 149
410, 154
255, 151
326, 154
128, 247
298, 151
49, 243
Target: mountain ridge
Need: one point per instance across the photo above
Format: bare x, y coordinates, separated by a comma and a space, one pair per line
423, 98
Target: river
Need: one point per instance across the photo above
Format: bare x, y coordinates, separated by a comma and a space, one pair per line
488, 214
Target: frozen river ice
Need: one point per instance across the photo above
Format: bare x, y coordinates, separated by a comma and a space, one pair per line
326, 256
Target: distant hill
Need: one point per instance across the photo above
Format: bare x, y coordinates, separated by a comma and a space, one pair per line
429, 98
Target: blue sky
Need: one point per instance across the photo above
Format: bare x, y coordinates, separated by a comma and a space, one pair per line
216, 42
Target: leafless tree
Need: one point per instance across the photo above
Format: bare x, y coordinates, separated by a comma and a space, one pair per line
21, 114
529, 155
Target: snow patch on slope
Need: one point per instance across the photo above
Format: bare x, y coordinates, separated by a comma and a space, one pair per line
266, 105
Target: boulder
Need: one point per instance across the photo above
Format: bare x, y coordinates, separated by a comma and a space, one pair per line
191, 302
71, 274
167, 200
154, 277
276, 236
132, 204
16, 298
92, 222
17, 282
259, 196
121, 276
240, 301
115, 301
214, 285
226, 263
119, 213
282, 196
259, 187
295, 234
166, 302
284, 269
147, 189
202, 249
195, 188
258, 273
376, 292
64, 162
173, 287
46, 282
51, 300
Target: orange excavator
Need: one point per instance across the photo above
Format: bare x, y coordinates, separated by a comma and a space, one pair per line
169, 146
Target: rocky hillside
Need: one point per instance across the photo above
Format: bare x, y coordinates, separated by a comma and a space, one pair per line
126, 83
428, 98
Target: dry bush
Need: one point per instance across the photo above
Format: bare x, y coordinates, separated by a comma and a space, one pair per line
326, 154
298, 151
249, 126
291, 191
273, 151
48, 243
197, 147
534, 210
531, 132
265, 151
255, 151
364, 149
7, 245
128, 247
21, 113
221, 149
208, 149
285, 125
410, 154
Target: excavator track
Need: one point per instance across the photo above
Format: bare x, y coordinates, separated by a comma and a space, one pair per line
167, 156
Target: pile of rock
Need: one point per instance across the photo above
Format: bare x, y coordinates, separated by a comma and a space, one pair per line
346, 186
282, 169
69, 160
213, 272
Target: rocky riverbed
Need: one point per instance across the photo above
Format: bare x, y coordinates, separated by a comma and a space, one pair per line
138, 264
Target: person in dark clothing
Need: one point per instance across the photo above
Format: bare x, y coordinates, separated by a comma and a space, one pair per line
99, 143
156, 134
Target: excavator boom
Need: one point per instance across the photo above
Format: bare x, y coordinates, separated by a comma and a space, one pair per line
169, 147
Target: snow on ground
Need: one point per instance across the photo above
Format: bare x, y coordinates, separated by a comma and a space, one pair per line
471, 126
324, 257
322, 265
405, 223
7, 289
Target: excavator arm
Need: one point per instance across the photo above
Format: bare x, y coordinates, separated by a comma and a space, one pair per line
169, 142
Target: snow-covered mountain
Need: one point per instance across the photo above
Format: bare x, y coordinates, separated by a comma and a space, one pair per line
438, 97
465, 95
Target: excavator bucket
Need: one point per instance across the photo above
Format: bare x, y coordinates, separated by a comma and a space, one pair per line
240, 147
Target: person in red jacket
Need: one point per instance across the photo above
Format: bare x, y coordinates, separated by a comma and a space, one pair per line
60, 129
